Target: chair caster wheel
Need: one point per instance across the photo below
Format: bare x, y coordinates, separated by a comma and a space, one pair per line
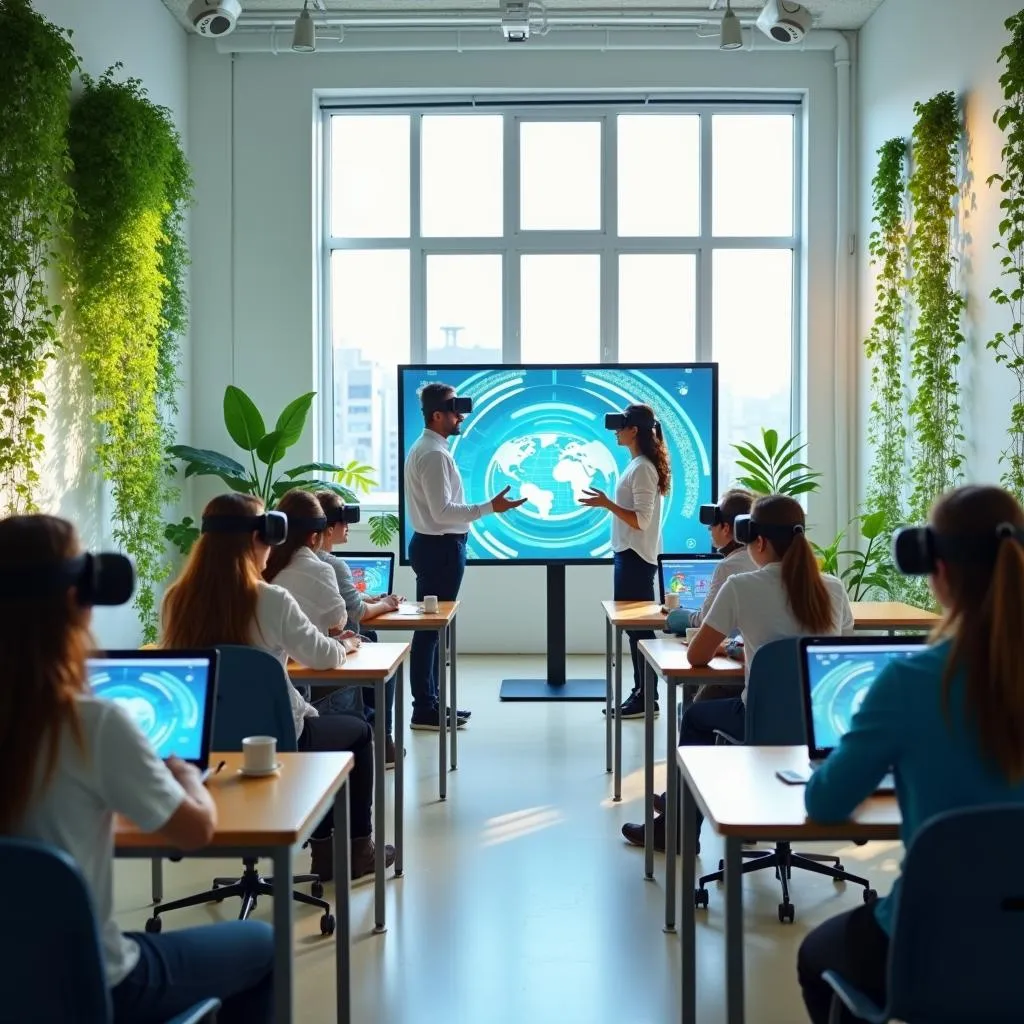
870, 895
327, 924
839, 867
153, 926
316, 890
700, 898
786, 913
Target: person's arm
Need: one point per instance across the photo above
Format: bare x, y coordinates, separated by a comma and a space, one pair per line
721, 621
644, 487
437, 472
304, 643
372, 609
325, 596
192, 825
869, 749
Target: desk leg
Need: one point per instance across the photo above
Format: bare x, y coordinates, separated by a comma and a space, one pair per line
342, 907
157, 876
442, 713
608, 696
649, 688
455, 698
399, 768
283, 937
734, 930
688, 939
617, 782
379, 810
671, 807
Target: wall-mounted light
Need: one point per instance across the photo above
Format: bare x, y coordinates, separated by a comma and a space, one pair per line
732, 33
304, 35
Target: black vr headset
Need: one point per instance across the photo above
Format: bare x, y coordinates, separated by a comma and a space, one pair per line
347, 513
101, 579
271, 526
916, 549
456, 403
631, 418
745, 529
711, 515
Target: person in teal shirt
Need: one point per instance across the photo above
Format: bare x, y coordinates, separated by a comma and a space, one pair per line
949, 722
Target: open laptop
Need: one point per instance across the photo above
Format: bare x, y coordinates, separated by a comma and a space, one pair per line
836, 674
169, 694
373, 572
689, 576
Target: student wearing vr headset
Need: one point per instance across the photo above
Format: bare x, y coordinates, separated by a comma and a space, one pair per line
636, 525
220, 598
787, 595
70, 762
948, 722
440, 520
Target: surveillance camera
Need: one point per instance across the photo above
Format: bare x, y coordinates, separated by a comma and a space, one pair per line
784, 21
214, 18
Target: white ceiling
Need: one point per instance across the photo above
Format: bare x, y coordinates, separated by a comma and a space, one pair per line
828, 14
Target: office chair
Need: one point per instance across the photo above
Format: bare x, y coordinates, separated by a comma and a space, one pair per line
252, 700
775, 718
54, 924
944, 966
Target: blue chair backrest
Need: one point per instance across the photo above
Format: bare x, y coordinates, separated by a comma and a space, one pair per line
252, 699
51, 967
959, 926
775, 704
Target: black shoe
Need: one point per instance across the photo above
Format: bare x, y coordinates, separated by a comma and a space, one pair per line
659, 803
633, 707
633, 833
430, 720
463, 716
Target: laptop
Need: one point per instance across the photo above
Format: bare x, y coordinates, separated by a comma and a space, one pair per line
169, 694
836, 674
689, 576
373, 572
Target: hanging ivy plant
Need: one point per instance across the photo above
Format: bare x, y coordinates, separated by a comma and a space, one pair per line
36, 64
1008, 346
937, 338
132, 183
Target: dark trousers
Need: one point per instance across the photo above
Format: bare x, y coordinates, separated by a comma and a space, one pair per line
634, 581
345, 732
852, 944
439, 564
370, 694
232, 961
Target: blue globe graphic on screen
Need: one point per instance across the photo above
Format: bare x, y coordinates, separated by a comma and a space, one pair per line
552, 470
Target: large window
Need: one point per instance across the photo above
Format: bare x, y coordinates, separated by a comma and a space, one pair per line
590, 234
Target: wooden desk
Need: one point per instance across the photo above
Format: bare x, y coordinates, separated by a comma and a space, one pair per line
891, 615
738, 792
374, 664
269, 817
442, 623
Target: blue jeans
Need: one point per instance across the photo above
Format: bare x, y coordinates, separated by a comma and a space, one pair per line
633, 580
439, 564
232, 961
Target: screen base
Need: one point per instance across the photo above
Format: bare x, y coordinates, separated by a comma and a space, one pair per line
541, 689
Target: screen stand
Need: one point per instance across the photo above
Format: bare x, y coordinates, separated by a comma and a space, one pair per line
555, 686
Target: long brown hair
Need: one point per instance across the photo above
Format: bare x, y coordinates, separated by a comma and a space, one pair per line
44, 641
297, 504
213, 600
652, 446
984, 621
806, 592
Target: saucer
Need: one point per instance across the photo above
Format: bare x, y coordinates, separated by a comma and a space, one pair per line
261, 772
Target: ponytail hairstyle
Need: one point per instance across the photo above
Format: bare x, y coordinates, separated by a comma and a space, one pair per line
806, 592
984, 619
300, 507
652, 445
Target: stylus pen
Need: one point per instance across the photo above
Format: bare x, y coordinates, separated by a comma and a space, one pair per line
211, 771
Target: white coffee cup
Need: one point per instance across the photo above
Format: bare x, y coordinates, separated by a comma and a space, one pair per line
671, 601
259, 753
691, 633
430, 604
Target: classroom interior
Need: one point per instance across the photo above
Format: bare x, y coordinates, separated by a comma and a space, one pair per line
519, 899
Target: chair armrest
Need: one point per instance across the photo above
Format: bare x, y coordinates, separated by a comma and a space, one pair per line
722, 737
854, 1000
198, 1013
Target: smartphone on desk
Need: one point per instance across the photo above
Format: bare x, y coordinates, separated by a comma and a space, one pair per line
791, 777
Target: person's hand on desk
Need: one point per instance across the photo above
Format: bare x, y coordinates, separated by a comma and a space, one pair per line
192, 825
392, 601
350, 640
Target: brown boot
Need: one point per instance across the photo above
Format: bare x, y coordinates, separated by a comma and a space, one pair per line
364, 854
322, 858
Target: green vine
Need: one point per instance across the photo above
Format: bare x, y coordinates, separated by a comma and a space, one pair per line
885, 344
132, 184
1008, 346
937, 338
36, 65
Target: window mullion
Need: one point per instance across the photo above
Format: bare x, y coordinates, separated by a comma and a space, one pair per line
417, 255
705, 325
610, 226
512, 278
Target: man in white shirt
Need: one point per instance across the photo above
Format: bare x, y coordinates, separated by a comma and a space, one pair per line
440, 517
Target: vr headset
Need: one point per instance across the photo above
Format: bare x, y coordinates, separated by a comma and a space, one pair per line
711, 515
463, 406
917, 549
101, 579
632, 418
346, 514
271, 526
746, 530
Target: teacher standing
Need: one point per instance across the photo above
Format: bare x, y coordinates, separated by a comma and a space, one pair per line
636, 528
440, 520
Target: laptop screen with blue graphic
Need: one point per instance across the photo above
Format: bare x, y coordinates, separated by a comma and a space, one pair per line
372, 573
689, 576
169, 695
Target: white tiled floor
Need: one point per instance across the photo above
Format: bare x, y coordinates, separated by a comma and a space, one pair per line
520, 901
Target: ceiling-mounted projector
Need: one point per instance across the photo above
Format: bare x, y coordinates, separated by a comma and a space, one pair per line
784, 21
214, 18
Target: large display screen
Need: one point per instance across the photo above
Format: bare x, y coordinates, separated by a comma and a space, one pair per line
540, 430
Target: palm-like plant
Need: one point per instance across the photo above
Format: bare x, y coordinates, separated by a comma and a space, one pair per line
774, 468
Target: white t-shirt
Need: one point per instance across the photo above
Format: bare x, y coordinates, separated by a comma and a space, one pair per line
755, 603
314, 585
116, 772
637, 491
736, 561
433, 489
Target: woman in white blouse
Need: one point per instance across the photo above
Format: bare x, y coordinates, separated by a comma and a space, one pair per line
636, 527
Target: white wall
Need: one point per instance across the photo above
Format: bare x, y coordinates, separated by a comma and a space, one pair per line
254, 320
146, 39
909, 51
